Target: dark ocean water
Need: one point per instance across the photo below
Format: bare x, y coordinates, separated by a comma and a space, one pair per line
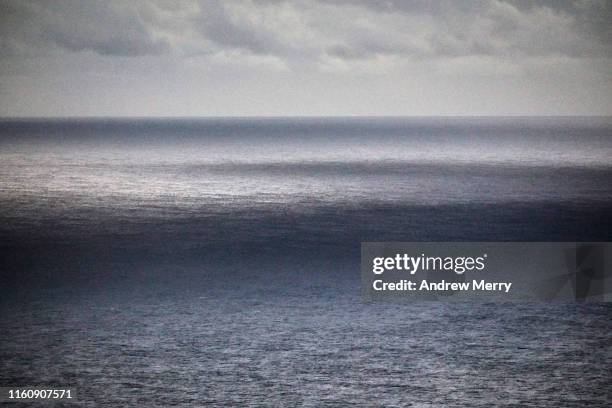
216, 262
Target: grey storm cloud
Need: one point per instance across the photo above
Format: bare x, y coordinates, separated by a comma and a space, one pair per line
492, 27
218, 25
348, 30
72, 25
305, 57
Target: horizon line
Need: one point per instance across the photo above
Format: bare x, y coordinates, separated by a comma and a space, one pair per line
85, 117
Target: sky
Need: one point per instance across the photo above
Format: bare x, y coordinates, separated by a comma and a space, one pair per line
297, 58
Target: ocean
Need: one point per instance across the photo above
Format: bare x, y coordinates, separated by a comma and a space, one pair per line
204, 262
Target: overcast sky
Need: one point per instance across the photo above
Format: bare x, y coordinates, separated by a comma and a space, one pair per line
350, 57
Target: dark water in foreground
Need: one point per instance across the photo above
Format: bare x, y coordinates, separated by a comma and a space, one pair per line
216, 262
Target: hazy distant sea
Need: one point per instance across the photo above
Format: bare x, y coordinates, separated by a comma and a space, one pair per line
216, 261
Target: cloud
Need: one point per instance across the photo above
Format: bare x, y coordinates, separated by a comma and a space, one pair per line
237, 28
459, 29
113, 28
309, 31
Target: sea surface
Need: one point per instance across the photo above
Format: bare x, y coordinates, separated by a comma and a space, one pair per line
215, 262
